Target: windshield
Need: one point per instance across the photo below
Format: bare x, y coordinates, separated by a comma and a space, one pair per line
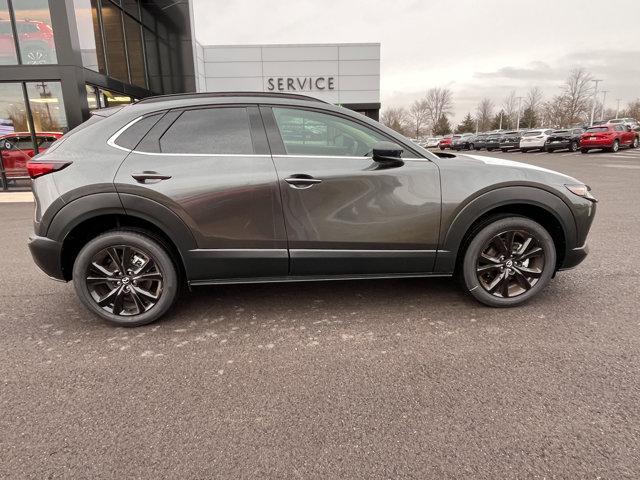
597, 129
560, 131
533, 133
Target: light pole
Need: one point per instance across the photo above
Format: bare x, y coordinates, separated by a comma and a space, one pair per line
593, 103
604, 99
618, 107
519, 106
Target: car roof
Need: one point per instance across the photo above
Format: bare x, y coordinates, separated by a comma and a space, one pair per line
209, 95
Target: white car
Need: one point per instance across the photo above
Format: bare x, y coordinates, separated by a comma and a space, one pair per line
432, 142
534, 139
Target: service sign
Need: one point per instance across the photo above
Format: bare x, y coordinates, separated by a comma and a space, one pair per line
299, 84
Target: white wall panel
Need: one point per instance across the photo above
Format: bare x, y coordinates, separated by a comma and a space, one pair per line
301, 52
233, 69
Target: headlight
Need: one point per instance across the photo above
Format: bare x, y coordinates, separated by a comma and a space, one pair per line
582, 190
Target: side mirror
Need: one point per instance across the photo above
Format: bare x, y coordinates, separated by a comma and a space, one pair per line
385, 152
628, 128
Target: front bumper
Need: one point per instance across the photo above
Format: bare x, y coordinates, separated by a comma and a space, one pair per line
574, 257
47, 254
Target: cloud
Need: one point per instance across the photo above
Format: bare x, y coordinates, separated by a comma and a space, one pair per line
534, 71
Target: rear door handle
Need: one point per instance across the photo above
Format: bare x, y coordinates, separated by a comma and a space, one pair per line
302, 181
144, 176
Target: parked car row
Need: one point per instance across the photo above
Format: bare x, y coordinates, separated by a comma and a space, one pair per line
611, 135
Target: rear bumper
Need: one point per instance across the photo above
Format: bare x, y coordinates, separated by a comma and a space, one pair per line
46, 254
574, 257
557, 145
596, 144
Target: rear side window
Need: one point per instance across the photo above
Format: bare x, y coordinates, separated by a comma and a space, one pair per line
132, 135
223, 130
598, 129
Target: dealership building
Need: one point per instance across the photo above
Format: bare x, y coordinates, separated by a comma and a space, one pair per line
62, 59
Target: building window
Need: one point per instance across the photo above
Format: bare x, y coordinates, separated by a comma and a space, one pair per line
135, 52
114, 38
47, 106
16, 136
89, 34
35, 35
7, 44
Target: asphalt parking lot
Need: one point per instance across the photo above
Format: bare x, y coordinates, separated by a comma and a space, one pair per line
375, 379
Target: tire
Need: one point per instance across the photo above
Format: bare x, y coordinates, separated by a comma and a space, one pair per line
573, 146
615, 147
151, 296
472, 147
504, 150
521, 285
489, 149
524, 150
584, 150
635, 142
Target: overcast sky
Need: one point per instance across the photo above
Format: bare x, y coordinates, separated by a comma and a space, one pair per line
476, 48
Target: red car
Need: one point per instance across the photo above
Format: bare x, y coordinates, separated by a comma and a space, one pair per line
608, 137
445, 143
17, 148
36, 41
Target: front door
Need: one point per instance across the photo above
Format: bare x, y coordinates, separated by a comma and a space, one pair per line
344, 212
211, 166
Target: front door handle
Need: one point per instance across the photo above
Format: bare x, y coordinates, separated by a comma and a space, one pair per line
302, 181
144, 176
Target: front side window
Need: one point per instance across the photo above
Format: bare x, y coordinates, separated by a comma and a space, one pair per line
305, 132
209, 131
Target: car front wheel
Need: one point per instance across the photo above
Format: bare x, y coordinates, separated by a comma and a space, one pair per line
634, 144
125, 277
508, 261
573, 147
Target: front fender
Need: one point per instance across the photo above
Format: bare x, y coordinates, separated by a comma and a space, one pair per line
453, 234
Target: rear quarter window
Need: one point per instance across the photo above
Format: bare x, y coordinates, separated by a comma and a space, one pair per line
131, 137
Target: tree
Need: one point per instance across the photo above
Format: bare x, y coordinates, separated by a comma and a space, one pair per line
632, 110
528, 118
395, 118
576, 98
510, 110
553, 112
442, 126
439, 102
497, 123
419, 116
484, 114
468, 125
532, 107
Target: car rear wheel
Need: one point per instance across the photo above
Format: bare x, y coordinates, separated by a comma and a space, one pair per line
126, 278
524, 150
615, 147
584, 150
508, 261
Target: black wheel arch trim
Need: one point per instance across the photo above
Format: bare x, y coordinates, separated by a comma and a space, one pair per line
452, 236
91, 206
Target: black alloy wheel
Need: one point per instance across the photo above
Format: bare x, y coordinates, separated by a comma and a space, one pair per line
509, 260
126, 277
124, 280
573, 146
510, 264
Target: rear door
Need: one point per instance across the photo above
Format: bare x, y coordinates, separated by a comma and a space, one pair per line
344, 212
212, 167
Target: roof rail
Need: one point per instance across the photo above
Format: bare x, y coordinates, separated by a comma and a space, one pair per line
179, 96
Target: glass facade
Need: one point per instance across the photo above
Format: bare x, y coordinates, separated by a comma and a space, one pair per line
129, 49
35, 33
23, 136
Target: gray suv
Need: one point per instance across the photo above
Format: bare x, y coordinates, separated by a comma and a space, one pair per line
202, 189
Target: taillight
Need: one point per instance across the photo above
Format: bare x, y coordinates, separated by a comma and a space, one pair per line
37, 169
